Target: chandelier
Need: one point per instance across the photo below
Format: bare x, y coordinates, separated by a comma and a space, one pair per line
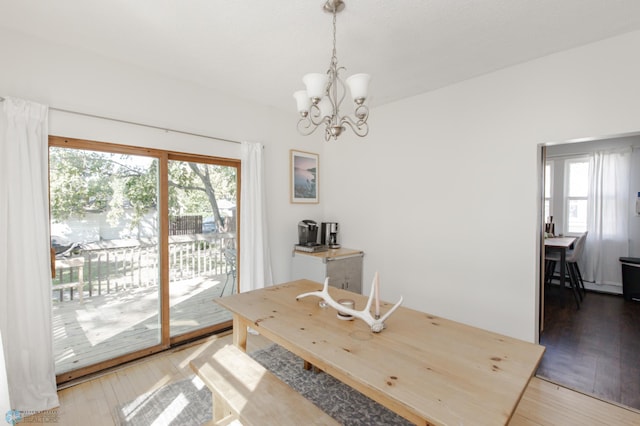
320, 102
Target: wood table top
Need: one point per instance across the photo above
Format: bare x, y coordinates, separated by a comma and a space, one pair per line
428, 369
560, 242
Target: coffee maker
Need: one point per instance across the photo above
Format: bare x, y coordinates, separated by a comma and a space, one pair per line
307, 233
329, 234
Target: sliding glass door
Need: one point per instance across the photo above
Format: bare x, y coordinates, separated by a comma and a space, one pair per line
105, 235
202, 242
143, 241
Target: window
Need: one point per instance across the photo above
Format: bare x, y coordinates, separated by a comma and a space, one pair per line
577, 191
548, 184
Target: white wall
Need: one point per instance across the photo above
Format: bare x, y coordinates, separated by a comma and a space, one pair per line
443, 194
78, 80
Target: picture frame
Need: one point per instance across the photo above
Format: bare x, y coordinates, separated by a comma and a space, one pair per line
304, 181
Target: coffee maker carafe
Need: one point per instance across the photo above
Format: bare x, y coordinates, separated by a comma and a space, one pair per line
329, 234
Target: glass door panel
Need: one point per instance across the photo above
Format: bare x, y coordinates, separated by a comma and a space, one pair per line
202, 243
105, 234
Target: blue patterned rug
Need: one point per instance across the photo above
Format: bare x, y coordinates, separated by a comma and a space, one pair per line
188, 402
340, 401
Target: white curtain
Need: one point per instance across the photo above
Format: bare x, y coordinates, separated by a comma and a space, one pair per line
5, 405
255, 263
25, 274
608, 226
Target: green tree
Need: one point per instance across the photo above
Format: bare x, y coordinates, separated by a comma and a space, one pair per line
197, 184
83, 181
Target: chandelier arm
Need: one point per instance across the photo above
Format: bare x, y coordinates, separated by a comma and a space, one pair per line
315, 115
362, 113
306, 126
327, 134
360, 127
342, 89
332, 96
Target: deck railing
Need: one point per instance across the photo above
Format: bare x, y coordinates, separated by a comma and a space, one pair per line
111, 266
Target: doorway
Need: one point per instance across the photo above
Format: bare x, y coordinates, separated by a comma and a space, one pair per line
592, 349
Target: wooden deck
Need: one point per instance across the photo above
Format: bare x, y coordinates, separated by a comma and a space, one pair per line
113, 324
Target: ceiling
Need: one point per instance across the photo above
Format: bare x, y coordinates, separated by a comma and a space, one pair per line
259, 49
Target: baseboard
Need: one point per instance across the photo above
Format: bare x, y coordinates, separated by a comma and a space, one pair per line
603, 288
615, 290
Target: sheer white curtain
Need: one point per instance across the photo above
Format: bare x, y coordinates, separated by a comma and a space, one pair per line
255, 262
25, 274
608, 224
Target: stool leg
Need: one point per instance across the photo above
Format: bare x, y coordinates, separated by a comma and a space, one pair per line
550, 267
574, 287
580, 280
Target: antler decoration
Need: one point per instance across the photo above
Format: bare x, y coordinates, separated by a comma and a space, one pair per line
376, 323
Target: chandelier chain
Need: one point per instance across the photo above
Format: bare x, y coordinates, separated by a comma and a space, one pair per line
334, 54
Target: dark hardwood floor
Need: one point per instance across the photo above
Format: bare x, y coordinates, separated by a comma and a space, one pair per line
596, 349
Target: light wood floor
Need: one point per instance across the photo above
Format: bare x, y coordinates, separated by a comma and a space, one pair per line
94, 401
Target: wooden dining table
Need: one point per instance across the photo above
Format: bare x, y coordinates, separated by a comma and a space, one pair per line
428, 369
561, 245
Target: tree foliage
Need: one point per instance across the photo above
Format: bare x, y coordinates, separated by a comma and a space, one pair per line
82, 181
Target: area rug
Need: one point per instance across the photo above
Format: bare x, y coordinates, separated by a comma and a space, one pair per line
340, 401
188, 402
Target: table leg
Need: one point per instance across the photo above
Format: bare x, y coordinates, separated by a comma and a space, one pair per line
240, 332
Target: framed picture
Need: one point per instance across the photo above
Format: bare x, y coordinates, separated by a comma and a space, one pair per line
304, 181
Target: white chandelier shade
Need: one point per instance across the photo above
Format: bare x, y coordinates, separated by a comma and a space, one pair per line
316, 85
303, 101
359, 86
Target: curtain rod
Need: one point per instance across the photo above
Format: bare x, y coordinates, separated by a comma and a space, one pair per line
139, 124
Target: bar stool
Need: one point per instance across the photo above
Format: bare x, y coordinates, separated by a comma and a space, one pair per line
573, 256
551, 260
